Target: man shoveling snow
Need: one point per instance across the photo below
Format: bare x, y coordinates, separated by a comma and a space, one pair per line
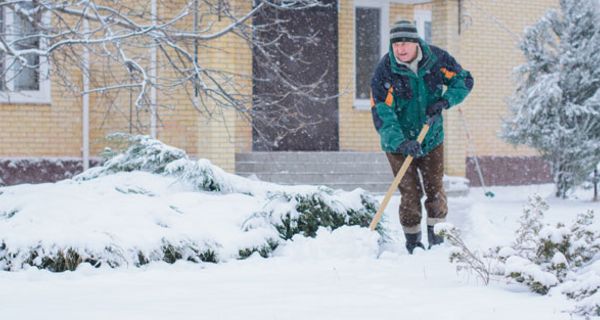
408, 91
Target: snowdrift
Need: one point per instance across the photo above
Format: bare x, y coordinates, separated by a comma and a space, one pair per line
152, 203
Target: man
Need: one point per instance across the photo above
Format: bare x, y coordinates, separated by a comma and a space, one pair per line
407, 90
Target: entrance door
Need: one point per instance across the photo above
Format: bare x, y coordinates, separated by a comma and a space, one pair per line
296, 80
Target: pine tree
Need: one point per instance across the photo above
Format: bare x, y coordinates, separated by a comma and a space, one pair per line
556, 106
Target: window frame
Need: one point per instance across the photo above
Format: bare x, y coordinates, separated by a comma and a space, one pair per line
43, 94
384, 6
420, 17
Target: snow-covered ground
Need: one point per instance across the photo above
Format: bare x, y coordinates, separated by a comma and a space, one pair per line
342, 274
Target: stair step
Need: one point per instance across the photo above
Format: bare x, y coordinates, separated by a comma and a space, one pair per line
320, 177
325, 167
338, 170
305, 157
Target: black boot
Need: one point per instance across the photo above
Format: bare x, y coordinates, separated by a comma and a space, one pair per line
433, 238
413, 240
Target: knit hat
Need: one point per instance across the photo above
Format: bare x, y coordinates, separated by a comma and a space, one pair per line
403, 31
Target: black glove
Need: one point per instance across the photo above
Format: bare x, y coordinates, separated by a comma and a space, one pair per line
410, 147
436, 108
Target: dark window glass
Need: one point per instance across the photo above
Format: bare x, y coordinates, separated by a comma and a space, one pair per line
428, 31
27, 76
367, 50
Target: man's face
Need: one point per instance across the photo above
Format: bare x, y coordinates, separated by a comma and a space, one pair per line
405, 51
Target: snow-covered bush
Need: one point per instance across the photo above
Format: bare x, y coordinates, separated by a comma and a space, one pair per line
305, 213
150, 202
57, 259
143, 154
543, 256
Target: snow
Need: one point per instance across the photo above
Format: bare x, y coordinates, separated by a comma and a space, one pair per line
554, 234
559, 258
116, 213
457, 184
339, 274
276, 288
351, 242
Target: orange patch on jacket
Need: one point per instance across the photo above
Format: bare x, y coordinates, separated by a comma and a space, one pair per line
447, 73
390, 97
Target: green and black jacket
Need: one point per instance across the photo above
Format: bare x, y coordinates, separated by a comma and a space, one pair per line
399, 97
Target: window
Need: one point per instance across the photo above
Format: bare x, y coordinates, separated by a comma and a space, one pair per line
423, 23
370, 43
22, 80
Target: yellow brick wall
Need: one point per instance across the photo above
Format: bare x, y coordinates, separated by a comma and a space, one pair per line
445, 35
55, 130
243, 134
401, 12
42, 130
116, 111
226, 132
353, 127
178, 120
209, 131
488, 45
239, 129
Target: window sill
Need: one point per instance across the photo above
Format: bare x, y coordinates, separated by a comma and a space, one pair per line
362, 105
25, 97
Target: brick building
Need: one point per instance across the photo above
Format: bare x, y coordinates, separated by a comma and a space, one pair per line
482, 34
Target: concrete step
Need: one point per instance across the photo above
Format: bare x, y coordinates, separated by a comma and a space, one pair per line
320, 178
313, 167
307, 157
338, 170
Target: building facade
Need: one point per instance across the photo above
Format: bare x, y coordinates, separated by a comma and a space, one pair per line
47, 130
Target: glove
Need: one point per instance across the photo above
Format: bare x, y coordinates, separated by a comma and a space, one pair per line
436, 108
410, 147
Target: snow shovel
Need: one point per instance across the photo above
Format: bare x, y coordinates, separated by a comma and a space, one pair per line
399, 176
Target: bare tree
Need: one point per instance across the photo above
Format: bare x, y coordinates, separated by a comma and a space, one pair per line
120, 36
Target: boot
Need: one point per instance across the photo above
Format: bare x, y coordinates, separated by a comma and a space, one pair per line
433, 238
413, 240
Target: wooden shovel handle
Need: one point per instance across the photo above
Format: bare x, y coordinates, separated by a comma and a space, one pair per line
397, 180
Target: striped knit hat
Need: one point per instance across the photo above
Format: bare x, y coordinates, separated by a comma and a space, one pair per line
403, 31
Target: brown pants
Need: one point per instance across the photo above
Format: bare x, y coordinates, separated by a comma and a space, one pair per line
431, 167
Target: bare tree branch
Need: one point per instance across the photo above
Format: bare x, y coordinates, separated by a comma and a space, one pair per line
121, 35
